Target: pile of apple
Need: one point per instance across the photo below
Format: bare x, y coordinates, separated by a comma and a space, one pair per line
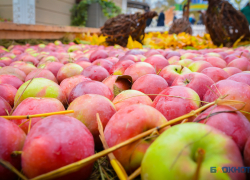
132, 91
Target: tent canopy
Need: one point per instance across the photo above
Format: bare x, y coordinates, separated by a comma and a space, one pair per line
195, 5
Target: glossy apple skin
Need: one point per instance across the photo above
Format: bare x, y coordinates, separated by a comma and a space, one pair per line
8, 92
12, 139
68, 70
174, 60
215, 73
233, 124
235, 90
184, 62
5, 107
32, 106
85, 109
185, 140
11, 80
94, 72
120, 67
122, 84
171, 72
23, 66
84, 64
41, 73
199, 82
173, 107
198, 66
98, 54
216, 62
54, 142
150, 84
157, 61
139, 69
240, 63
52, 67
69, 83
232, 70
31, 59
241, 77
122, 126
13, 71
130, 97
90, 87
6, 60
104, 63
40, 87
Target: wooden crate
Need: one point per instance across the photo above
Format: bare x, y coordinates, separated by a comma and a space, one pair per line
22, 31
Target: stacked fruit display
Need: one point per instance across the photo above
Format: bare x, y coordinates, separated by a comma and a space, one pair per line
132, 91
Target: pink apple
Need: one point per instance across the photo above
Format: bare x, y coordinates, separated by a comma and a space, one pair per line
172, 107
54, 142
120, 67
90, 87
232, 70
6, 60
216, 62
41, 73
127, 123
68, 70
85, 109
5, 108
9, 70
151, 52
242, 64
233, 124
32, 106
12, 139
189, 56
130, 97
98, 54
104, 63
150, 84
23, 66
8, 92
234, 90
116, 82
171, 72
215, 73
139, 69
241, 77
157, 61
198, 66
184, 62
95, 72
199, 82
174, 59
52, 67
11, 80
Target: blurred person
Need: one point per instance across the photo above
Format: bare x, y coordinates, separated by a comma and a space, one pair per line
192, 19
148, 22
246, 12
174, 16
201, 18
161, 19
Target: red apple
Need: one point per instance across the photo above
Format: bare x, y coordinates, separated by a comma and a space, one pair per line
54, 142
52, 67
104, 63
240, 63
198, 66
41, 73
90, 87
9, 70
157, 61
68, 70
117, 83
234, 90
215, 73
120, 67
130, 97
5, 108
151, 52
6, 60
98, 54
232, 70
23, 66
216, 62
96, 73
174, 59
241, 77
184, 62
229, 121
127, 123
150, 84
8, 92
11, 80
172, 107
85, 109
12, 139
171, 72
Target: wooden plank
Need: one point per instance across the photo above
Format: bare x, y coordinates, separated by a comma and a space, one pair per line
72, 2
24, 27
61, 7
6, 12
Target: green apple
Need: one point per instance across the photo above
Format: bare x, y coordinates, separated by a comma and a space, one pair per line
174, 154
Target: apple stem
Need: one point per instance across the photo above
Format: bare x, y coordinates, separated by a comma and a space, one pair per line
184, 121
29, 125
136, 173
200, 158
16, 153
